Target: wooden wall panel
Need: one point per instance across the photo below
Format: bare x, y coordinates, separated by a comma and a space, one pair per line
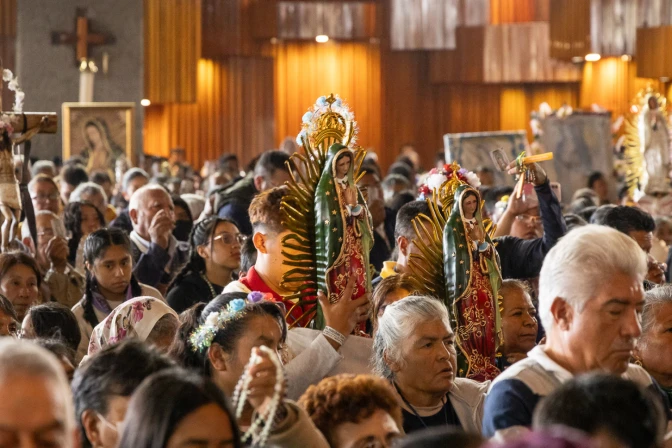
516, 11
519, 52
228, 26
423, 24
518, 102
653, 45
612, 84
172, 50
306, 71
613, 27
234, 113
416, 111
7, 17
342, 21
654, 13
508, 53
570, 28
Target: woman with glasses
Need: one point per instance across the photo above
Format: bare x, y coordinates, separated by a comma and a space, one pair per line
215, 245
44, 194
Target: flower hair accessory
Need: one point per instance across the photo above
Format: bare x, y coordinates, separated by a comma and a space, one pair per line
203, 336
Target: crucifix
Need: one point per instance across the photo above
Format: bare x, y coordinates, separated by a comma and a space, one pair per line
82, 39
14, 195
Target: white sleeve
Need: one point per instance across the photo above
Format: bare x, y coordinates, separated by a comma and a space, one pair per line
311, 363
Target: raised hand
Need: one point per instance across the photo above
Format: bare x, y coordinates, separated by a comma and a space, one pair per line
344, 315
262, 386
161, 228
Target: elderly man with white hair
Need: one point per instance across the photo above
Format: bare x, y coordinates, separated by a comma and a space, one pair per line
590, 299
36, 407
414, 348
157, 255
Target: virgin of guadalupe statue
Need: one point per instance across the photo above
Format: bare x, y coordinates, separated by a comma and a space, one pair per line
473, 280
655, 147
330, 228
10, 196
344, 234
101, 151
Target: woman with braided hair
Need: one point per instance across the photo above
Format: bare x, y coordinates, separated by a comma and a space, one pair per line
109, 281
215, 254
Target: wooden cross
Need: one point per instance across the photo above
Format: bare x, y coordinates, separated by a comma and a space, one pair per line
82, 39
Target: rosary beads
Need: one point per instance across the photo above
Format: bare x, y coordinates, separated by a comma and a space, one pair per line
262, 425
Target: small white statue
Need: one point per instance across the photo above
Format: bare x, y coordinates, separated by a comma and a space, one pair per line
655, 146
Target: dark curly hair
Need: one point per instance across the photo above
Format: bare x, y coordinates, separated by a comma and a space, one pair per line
348, 399
72, 219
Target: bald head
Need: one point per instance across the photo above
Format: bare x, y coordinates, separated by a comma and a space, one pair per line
36, 407
145, 203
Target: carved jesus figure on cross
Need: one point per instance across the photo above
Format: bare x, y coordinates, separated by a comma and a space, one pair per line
17, 128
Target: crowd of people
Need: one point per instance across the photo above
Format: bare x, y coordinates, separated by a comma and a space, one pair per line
150, 299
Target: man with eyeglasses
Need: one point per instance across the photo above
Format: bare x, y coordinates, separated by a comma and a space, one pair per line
45, 195
521, 218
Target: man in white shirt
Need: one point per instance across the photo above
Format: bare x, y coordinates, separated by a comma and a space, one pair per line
590, 299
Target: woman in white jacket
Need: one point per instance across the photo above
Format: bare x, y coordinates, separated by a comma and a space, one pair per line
414, 348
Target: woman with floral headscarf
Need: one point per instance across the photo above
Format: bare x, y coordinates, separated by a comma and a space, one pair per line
143, 318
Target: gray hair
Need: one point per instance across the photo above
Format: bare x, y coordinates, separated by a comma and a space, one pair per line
582, 262
134, 203
398, 322
23, 358
41, 165
87, 188
130, 175
654, 299
53, 215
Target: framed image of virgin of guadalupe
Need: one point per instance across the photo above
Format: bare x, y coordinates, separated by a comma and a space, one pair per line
99, 134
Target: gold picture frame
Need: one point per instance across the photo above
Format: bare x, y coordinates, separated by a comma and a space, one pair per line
115, 125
